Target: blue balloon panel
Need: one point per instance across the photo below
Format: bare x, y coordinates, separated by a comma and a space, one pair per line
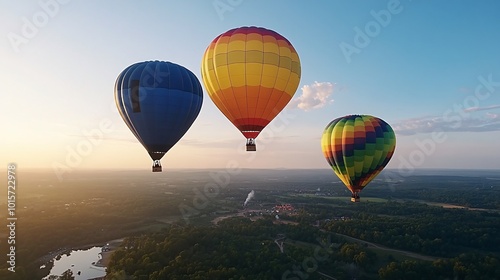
159, 102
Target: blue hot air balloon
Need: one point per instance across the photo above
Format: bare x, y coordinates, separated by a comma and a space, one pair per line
158, 101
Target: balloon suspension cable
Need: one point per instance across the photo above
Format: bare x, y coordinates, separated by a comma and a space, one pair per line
251, 146
157, 166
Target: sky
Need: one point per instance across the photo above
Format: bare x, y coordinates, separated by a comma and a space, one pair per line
430, 69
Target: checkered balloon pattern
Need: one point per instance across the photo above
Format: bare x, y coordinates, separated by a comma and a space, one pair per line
358, 147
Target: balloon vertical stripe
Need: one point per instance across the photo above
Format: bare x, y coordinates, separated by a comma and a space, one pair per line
358, 147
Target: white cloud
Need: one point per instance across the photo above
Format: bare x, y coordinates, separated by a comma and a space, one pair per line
313, 96
451, 123
473, 109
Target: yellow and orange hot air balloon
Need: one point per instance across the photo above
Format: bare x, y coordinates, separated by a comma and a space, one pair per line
250, 73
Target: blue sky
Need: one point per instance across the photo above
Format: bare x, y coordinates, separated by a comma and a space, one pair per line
430, 69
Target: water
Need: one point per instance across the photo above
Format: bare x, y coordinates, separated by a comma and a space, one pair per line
79, 260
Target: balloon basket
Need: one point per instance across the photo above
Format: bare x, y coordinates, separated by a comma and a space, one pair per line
355, 199
251, 148
156, 168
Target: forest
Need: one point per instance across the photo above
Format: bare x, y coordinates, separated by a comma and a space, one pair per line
242, 249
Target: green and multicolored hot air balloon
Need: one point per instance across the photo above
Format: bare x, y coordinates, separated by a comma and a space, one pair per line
358, 147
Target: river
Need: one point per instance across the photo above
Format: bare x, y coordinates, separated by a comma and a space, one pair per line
81, 263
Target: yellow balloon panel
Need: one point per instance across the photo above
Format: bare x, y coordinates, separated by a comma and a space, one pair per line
221, 46
285, 52
222, 77
261, 68
220, 60
236, 57
237, 75
235, 45
255, 45
207, 81
271, 58
253, 72
254, 56
293, 80
271, 48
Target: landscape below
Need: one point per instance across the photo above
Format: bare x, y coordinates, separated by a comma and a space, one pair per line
298, 223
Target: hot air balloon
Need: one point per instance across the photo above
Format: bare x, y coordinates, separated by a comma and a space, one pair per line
250, 73
358, 147
158, 101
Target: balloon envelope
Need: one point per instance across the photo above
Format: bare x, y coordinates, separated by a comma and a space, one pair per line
358, 147
250, 73
158, 101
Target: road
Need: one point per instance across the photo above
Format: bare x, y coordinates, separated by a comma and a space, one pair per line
326, 275
370, 244
377, 246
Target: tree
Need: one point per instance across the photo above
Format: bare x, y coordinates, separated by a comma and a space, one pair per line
67, 275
